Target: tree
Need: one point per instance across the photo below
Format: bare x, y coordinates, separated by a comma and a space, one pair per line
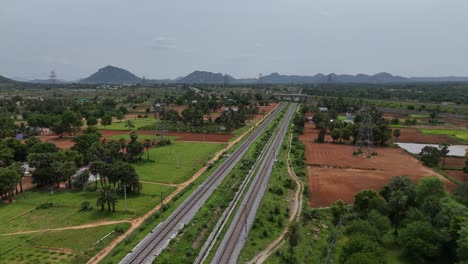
398, 203
293, 237
361, 243
339, 209
462, 243
363, 258
335, 134
9, 179
69, 122
382, 223
396, 134
430, 156
401, 183
106, 120
129, 124
429, 186
362, 200
431, 206
444, 150
119, 115
420, 240
147, 147
346, 134
7, 126
91, 121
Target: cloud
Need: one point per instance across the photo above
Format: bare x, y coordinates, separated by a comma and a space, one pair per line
161, 43
259, 45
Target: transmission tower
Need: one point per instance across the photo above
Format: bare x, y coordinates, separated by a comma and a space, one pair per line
365, 139
260, 79
226, 79
53, 76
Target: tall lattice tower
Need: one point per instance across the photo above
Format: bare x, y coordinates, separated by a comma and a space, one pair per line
365, 139
260, 79
53, 77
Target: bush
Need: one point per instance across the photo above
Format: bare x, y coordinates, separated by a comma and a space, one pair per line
85, 206
45, 206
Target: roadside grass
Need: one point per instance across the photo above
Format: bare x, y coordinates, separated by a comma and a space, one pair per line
177, 162
140, 137
460, 134
122, 249
138, 122
66, 209
67, 246
272, 215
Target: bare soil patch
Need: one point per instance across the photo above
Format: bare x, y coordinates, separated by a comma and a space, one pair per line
62, 143
453, 162
334, 173
458, 175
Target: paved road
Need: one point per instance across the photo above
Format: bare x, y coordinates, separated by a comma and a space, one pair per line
237, 233
153, 244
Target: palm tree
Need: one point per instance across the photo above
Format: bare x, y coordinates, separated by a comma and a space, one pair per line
147, 146
129, 124
398, 202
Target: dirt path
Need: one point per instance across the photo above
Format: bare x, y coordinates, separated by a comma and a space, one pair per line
296, 208
161, 183
68, 227
137, 222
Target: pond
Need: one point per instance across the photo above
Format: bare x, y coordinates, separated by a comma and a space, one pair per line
415, 148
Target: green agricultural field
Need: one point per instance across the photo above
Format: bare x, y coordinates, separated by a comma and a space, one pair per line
177, 162
418, 116
67, 246
456, 133
140, 137
23, 215
138, 122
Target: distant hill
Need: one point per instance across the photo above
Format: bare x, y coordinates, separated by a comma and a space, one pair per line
112, 75
48, 81
4, 82
206, 77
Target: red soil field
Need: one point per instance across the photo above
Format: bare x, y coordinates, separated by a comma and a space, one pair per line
334, 173
62, 143
457, 175
413, 135
453, 162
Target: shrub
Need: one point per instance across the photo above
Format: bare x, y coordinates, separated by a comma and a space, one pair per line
85, 206
45, 206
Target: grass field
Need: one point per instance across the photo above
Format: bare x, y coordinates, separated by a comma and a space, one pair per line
418, 116
69, 246
138, 122
177, 162
23, 215
140, 137
457, 133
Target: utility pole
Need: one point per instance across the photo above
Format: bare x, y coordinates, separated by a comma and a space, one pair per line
53, 76
177, 158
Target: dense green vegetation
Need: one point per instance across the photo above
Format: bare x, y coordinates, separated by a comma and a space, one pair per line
426, 92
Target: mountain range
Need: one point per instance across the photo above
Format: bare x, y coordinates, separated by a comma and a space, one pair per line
115, 75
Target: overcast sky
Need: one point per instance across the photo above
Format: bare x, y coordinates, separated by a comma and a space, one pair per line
166, 39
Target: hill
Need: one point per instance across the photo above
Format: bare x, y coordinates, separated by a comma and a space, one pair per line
5, 82
112, 75
206, 77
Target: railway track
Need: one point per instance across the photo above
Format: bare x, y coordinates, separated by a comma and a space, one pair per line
158, 239
236, 235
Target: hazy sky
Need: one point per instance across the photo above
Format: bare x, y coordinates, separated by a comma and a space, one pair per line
166, 39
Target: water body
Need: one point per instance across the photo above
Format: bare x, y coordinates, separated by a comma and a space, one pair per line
415, 148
